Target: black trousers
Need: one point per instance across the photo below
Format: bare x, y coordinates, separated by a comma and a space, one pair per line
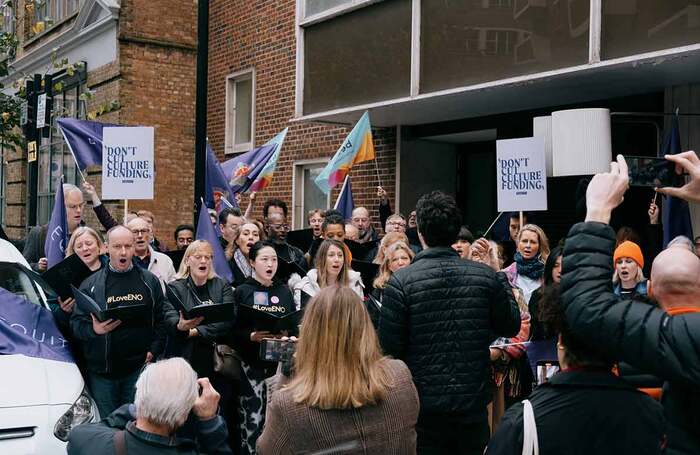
449, 434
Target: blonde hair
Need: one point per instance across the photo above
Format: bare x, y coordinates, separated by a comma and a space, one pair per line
80, 230
543, 250
638, 278
338, 362
193, 248
320, 263
384, 270
388, 240
233, 246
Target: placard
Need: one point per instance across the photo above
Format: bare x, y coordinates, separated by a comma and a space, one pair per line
521, 176
127, 162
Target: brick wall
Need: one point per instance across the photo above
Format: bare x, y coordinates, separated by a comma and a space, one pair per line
157, 57
260, 34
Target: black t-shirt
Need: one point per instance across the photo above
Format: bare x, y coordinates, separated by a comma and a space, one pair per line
127, 288
276, 299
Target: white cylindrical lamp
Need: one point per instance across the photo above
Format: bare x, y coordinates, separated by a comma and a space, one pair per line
581, 142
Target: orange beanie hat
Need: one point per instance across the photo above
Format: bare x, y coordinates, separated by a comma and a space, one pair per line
629, 249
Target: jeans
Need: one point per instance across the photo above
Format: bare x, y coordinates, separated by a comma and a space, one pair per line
448, 434
110, 393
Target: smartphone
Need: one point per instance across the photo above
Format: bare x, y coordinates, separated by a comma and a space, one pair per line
652, 172
275, 350
546, 369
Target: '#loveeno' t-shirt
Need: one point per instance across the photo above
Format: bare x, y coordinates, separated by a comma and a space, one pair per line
122, 289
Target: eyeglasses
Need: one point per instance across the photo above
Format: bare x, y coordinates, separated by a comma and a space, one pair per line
397, 223
280, 226
76, 206
199, 257
140, 231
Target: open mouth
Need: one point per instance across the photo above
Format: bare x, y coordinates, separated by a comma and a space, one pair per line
249, 245
202, 268
122, 261
624, 275
268, 272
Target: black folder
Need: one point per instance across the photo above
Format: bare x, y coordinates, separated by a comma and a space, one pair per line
368, 271
286, 269
376, 305
138, 314
216, 312
176, 256
262, 320
360, 251
301, 238
70, 271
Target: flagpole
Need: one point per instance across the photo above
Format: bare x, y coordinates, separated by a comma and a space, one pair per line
492, 224
77, 166
126, 210
376, 166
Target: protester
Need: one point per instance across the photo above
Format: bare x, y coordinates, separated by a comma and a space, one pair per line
526, 273
552, 276
397, 256
34, 246
377, 254
103, 215
332, 269
230, 220
238, 250
510, 246
276, 228
266, 293
168, 397
412, 220
682, 241
432, 303
583, 409
88, 245
315, 219
341, 382
197, 284
332, 228
146, 257
395, 223
115, 353
464, 242
184, 235
360, 219
628, 278
663, 343
151, 219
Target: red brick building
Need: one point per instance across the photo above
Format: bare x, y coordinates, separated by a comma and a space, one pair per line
140, 54
255, 41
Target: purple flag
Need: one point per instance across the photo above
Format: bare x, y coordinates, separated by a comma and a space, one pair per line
216, 184
245, 169
57, 232
84, 139
676, 214
205, 231
345, 203
29, 329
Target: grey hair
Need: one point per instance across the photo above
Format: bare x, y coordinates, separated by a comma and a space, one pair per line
114, 228
165, 392
683, 242
69, 188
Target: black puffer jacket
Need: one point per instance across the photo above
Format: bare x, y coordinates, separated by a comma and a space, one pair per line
439, 315
637, 333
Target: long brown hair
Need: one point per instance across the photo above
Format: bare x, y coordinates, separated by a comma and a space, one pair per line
384, 270
320, 263
338, 362
233, 246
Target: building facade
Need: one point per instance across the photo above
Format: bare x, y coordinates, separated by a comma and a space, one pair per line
442, 82
135, 59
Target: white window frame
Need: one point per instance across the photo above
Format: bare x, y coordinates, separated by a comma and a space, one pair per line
297, 173
230, 122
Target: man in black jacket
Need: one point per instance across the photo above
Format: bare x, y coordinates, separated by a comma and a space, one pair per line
663, 343
276, 228
115, 353
439, 315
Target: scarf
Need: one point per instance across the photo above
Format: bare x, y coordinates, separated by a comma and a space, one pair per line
242, 263
531, 268
367, 237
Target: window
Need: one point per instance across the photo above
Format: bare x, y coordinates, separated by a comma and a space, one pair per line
50, 12
312, 7
307, 196
54, 157
500, 42
240, 112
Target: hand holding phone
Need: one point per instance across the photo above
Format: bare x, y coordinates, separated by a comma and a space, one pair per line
652, 172
277, 350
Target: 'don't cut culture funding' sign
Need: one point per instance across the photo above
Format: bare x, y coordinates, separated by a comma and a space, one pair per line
127, 162
521, 175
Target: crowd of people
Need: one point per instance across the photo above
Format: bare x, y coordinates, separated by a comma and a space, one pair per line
413, 338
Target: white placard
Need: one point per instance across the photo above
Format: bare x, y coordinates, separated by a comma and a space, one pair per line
127, 162
41, 111
521, 176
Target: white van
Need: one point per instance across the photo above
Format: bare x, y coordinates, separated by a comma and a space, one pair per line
40, 400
